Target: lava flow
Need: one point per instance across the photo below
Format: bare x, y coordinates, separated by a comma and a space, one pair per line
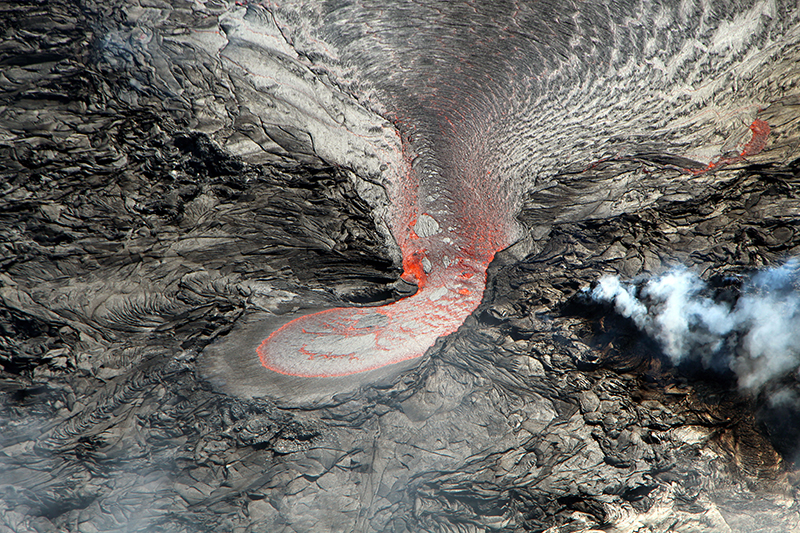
450, 219
343, 341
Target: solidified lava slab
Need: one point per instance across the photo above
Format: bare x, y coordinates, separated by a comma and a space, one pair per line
344, 341
448, 229
164, 188
488, 98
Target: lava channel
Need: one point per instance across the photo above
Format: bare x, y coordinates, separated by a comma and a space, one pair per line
343, 341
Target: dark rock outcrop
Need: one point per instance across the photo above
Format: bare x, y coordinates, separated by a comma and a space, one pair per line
174, 172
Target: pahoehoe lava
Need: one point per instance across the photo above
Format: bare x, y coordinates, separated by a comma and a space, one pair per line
472, 110
453, 207
325, 266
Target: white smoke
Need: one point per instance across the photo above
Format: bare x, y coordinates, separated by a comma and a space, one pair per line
757, 336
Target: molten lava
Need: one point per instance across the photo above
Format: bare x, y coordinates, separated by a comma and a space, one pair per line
343, 341
448, 225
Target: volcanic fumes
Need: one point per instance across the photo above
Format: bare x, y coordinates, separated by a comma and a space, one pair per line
755, 335
488, 116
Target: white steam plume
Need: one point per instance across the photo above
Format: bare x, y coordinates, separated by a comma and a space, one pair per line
757, 337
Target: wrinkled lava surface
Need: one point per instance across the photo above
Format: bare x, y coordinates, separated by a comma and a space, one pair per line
209, 208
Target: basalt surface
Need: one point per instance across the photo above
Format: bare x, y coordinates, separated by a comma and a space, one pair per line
181, 180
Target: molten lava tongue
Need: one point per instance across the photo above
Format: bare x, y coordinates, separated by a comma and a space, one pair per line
338, 342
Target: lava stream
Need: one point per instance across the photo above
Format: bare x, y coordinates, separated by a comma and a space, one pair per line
343, 341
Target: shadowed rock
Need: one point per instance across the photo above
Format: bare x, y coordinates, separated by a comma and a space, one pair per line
181, 180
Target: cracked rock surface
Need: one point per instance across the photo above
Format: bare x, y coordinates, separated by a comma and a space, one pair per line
172, 172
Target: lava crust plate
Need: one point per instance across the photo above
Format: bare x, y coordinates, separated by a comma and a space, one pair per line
232, 366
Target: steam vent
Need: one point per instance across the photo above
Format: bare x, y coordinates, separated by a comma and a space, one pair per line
400, 266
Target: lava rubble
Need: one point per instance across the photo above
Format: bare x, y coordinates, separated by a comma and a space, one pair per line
178, 178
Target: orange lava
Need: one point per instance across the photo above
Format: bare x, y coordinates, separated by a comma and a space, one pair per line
760, 130
344, 341
448, 227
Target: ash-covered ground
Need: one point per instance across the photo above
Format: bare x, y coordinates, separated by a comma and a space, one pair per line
179, 176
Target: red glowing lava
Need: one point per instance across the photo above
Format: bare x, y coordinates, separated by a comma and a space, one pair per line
760, 130
339, 342
448, 226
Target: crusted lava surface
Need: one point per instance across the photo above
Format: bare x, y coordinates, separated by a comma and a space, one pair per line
180, 181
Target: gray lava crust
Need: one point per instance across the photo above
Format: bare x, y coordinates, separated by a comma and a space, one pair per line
173, 172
